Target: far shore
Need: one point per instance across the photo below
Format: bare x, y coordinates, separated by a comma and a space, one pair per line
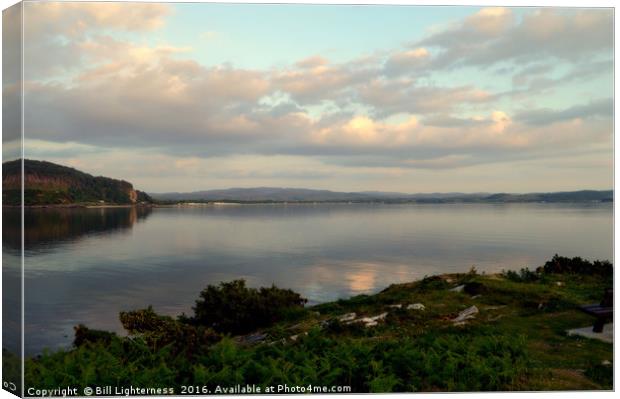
239, 203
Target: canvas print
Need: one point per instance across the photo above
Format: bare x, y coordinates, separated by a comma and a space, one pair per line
218, 198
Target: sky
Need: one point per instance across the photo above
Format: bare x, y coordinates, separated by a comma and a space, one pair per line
187, 97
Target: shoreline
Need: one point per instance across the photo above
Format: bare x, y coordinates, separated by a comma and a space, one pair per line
459, 313
241, 203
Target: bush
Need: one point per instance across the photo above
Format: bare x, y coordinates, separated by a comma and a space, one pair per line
84, 334
432, 283
577, 265
524, 275
161, 331
234, 308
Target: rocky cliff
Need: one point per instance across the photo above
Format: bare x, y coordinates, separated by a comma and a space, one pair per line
46, 183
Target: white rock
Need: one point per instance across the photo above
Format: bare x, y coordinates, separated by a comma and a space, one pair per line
416, 306
373, 319
466, 314
458, 288
606, 363
559, 283
294, 337
396, 306
348, 317
369, 321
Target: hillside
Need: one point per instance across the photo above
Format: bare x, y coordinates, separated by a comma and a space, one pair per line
446, 333
47, 183
275, 194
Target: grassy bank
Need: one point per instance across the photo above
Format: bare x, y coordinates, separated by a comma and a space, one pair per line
373, 343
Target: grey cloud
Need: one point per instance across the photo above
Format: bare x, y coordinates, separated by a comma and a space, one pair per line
407, 62
396, 96
598, 108
451, 121
569, 34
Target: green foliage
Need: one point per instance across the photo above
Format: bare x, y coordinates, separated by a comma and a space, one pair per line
234, 308
524, 275
577, 265
85, 335
163, 331
517, 341
432, 362
432, 283
562, 265
601, 373
12, 368
49, 183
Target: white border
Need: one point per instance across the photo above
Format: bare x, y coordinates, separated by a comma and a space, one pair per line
506, 3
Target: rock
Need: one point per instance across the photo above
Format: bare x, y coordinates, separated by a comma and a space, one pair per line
253, 338
294, 337
416, 306
494, 307
449, 280
398, 306
458, 288
348, 317
476, 296
559, 283
370, 321
466, 314
606, 363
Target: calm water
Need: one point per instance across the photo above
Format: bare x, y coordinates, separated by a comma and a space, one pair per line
84, 266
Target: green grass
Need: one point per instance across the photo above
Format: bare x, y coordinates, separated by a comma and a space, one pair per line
517, 341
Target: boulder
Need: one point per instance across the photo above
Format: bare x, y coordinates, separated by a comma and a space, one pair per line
465, 315
347, 317
458, 288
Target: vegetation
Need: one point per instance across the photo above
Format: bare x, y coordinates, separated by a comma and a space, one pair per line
46, 183
517, 340
234, 308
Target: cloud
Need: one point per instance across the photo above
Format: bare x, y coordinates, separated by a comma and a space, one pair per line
598, 108
382, 114
404, 95
407, 61
496, 35
54, 32
75, 19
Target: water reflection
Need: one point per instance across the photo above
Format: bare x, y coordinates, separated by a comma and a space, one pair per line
50, 227
87, 265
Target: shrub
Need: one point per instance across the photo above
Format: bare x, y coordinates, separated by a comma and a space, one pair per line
84, 334
577, 265
234, 308
432, 283
161, 331
524, 275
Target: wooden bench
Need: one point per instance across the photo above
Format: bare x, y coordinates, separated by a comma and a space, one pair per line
603, 311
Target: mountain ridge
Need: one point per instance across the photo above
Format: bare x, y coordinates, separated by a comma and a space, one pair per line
286, 194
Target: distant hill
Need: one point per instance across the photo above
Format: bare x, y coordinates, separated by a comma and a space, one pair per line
47, 183
262, 194
274, 194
